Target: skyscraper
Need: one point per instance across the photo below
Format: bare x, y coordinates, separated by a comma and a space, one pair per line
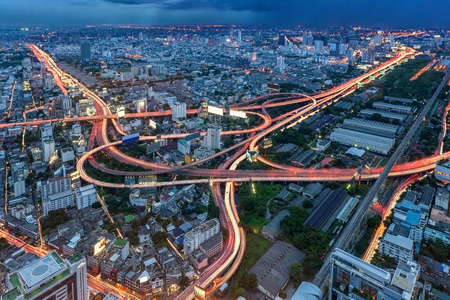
281, 64
211, 141
85, 52
239, 37
48, 147
178, 110
318, 46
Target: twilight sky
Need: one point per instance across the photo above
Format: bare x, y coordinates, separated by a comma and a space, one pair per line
376, 13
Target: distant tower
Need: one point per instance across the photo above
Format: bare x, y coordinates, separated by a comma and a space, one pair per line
141, 36
318, 46
280, 63
85, 52
258, 40
239, 38
254, 57
178, 110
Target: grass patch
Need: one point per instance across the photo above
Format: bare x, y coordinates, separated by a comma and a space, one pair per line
256, 246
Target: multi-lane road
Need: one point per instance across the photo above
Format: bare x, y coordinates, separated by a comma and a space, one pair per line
234, 248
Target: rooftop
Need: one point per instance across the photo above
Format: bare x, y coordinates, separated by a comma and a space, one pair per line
12, 294
75, 257
35, 273
272, 269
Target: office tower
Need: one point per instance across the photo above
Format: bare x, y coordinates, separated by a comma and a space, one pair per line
178, 110
66, 102
318, 46
195, 237
368, 56
48, 147
211, 141
353, 278
334, 48
141, 36
391, 40
343, 49
184, 146
49, 82
281, 40
258, 40
19, 187
85, 52
231, 33
46, 131
56, 193
50, 278
239, 37
280, 63
377, 40
85, 196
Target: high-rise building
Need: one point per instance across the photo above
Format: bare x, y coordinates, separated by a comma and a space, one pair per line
377, 40
184, 146
141, 36
318, 46
353, 278
334, 48
258, 40
46, 131
211, 141
19, 187
195, 237
85, 52
85, 196
281, 66
48, 147
50, 278
56, 193
239, 37
49, 82
391, 38
66, 103
368, 56
178, 110
281, 40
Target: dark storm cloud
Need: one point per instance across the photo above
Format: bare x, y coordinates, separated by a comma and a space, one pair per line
234, 5
375, 13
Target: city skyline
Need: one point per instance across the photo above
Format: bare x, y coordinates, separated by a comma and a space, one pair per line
383, 14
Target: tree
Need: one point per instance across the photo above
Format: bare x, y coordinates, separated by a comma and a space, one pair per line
214, 212
307, 204
184, 282
249, 281
296, 272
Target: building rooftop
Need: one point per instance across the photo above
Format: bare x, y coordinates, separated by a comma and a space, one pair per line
362, 266
272, 269
35, 273
212, 241
273, 227
75, 257
12, 294
399, 240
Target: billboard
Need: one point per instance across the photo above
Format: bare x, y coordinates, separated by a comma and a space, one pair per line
130, 139
215, 110
152, 124
99, 246
273, 86
238, 114
153, 147
187, 158
199, 292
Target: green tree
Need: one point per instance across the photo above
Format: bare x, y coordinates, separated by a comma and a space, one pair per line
296, 272
249, 281
184, 282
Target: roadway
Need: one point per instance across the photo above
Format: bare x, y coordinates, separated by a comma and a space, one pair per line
356, 220
313, 103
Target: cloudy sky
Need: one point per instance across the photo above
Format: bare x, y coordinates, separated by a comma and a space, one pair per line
376, 13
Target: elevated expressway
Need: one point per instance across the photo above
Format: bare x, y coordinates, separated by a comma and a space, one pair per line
235, 245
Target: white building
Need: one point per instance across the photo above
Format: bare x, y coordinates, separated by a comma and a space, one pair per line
46, 131
443, 172
19, 187
141, 105
66, 102
397, 246
195, 237
362, 140
67, 154
48, 147
57, 201
178, 111
211, 141
281, 66
184, 146
54, 185
318, 46
85, 196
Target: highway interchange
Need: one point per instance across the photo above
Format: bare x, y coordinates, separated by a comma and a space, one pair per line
225, 266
